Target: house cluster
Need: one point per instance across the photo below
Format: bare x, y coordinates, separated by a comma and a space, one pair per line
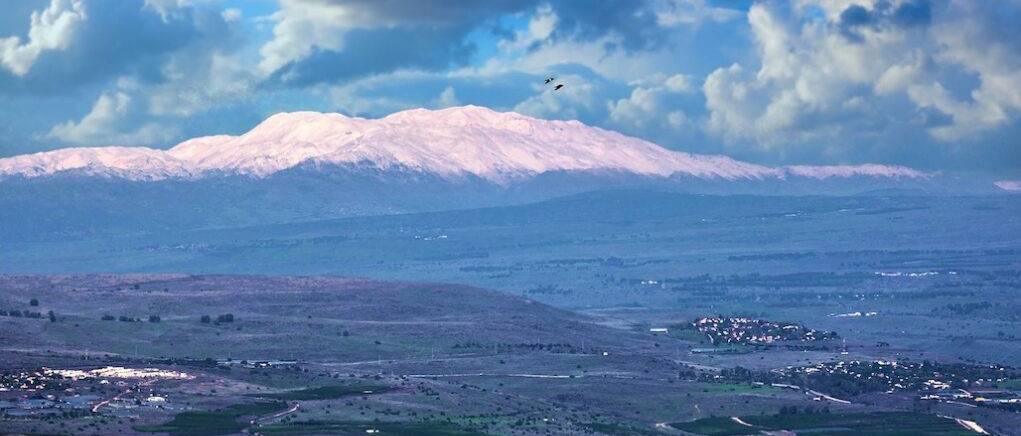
77, 392
1004, 397
738, 330
932, 380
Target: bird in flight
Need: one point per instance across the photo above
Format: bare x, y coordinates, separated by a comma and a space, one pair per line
550, 79
557, 88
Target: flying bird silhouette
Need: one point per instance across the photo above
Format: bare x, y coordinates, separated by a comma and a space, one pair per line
557, 88
550, 79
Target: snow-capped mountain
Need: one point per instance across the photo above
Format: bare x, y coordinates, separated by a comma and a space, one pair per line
306, 167
461, 141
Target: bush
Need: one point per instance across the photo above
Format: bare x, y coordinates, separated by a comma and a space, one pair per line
154, 318
108, 318
53, 316
229, 317
205, 319
33, 302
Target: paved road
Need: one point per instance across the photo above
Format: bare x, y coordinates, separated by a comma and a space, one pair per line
95, 409
274, 416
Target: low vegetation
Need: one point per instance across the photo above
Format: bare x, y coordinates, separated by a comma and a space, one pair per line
361, 427
878, 423
214, 422
327, 392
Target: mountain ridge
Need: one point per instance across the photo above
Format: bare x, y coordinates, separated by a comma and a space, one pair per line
453, 142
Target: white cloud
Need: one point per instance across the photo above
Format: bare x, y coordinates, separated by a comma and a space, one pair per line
815, 83
602, 55
232, 15
969, 42
647, 105
305, 25
577, 96
540, 27
301, 26
678, 83
678, 120
51, 29
447, 98
199, 80
167, 9
350, 98
107, 124
671, 13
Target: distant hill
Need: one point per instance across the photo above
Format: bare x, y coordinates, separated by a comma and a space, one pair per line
325, 318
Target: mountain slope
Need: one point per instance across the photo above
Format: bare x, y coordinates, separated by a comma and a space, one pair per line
454, 142
309, 166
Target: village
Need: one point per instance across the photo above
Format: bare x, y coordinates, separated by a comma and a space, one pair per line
750, 331
70, 393
955, 383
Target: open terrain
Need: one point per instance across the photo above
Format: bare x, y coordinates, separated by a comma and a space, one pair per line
932, 274
184, 354
575, 315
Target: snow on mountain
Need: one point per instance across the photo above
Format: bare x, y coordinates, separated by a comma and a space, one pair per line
870, 170
470, 140
1009, 185
135, 163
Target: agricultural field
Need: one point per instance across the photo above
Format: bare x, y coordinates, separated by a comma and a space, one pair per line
879, 423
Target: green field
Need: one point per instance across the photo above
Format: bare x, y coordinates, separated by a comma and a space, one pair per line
617, 429
326, 392
360, 427
214, 422
734, 388
1014, 383
879, 423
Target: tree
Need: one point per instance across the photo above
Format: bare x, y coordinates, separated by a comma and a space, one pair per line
154, 318
53, 316
108, 317
33, 302
205, 319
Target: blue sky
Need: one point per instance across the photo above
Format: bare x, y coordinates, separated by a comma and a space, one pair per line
929, 84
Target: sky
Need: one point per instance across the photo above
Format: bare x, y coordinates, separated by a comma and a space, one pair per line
930, 84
